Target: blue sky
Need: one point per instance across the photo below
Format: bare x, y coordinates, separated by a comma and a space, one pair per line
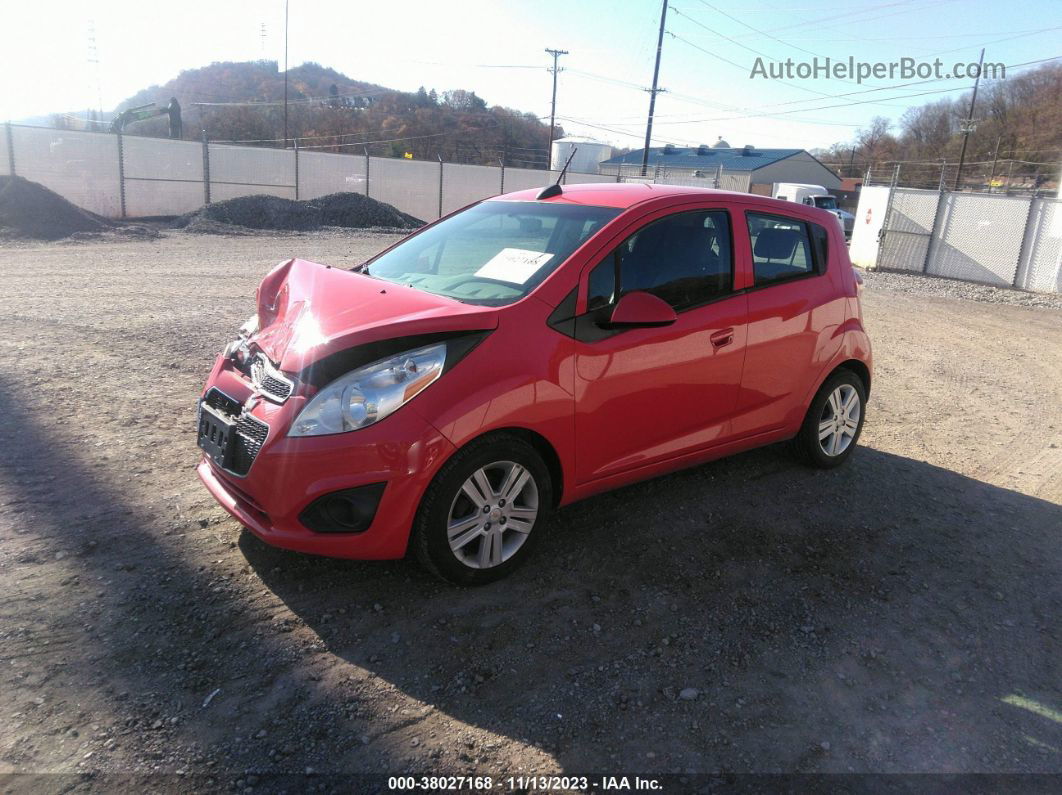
496, 49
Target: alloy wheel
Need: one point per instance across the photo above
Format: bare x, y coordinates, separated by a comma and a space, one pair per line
492, 515
840, 420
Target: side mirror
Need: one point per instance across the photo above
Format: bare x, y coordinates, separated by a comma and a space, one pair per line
640, 310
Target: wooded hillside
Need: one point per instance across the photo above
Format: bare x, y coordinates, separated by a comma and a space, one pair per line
332, 112
1018, 128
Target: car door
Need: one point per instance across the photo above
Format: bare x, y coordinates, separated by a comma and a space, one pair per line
795, 307
645, 395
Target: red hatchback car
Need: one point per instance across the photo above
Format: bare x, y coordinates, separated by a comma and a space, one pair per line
526, 352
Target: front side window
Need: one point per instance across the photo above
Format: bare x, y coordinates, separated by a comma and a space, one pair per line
781, 248
684, 259
826, 202
492, 254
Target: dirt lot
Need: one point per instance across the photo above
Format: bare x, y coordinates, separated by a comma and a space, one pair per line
901, 614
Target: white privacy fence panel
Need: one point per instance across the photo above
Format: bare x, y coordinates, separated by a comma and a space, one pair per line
579, 178
410, 185
247, 170
463, 185
524, 178
80, 166
1041, 264
910, 222
978, 238
322, 173
162, 177
988, 238
5, 158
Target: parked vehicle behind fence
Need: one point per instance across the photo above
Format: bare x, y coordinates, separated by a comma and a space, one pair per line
526, 352
814, 196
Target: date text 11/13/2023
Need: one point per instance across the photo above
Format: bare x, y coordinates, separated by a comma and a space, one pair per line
524, 783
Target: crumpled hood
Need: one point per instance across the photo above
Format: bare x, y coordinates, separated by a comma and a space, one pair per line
307, 311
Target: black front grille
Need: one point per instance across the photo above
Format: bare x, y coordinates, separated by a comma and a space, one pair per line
250, 433
268, 381
274, 386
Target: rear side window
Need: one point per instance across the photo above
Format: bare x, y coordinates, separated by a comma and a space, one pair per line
684, 259
782, 248
819, 241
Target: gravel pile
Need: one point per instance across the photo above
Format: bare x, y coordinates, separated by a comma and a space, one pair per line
918, 284
350, 210
359, 211
30, 210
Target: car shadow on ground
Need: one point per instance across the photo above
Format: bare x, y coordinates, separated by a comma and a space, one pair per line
747, 615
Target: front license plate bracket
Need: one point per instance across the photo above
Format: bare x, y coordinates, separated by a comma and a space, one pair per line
217, 435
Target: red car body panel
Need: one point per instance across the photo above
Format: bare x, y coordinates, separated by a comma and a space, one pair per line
305, 309
733, 374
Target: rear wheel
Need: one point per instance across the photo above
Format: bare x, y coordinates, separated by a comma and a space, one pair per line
483, 511
834, 421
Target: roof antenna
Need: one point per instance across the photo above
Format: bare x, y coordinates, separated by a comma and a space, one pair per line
555, 189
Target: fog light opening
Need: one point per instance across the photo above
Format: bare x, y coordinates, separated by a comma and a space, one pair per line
346, 511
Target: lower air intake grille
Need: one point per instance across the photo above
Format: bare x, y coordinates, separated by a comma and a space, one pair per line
250, 436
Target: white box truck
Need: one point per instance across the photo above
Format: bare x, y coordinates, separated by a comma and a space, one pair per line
814, 196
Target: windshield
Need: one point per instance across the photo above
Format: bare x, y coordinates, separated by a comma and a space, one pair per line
494, 253
826, 202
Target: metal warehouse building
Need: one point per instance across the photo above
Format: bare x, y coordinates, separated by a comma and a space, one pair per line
726, 168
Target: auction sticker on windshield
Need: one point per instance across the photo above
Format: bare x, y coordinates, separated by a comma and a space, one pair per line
514, 265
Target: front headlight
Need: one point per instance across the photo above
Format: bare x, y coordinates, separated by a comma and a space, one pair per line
370, 393
249, 328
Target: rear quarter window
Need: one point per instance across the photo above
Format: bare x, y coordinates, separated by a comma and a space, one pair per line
785, 248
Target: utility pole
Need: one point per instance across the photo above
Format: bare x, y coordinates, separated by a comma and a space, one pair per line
968, 123
995, 157
94, 59
553, 105
285, 74
654, 90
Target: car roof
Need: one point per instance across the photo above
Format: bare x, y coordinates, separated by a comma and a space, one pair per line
616, 194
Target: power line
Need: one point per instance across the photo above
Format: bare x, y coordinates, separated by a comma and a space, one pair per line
742, 67
755, 30
852, 93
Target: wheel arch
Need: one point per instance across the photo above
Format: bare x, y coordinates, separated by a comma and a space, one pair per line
542, 445
857, 367
544, 448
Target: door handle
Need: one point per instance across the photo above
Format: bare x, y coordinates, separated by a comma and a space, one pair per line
722, 338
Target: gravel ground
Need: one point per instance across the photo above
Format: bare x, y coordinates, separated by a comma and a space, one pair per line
916, 284
897, 615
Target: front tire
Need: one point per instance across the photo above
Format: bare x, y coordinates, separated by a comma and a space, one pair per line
484, 511
834, 421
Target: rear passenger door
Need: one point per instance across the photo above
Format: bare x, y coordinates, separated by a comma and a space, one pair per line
645, 395
795, 307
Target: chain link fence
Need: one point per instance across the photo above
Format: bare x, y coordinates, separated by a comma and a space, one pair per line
715, 178
1006, 241
1002, 176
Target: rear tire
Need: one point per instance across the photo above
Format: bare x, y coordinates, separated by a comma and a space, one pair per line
484, 511
834, 421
